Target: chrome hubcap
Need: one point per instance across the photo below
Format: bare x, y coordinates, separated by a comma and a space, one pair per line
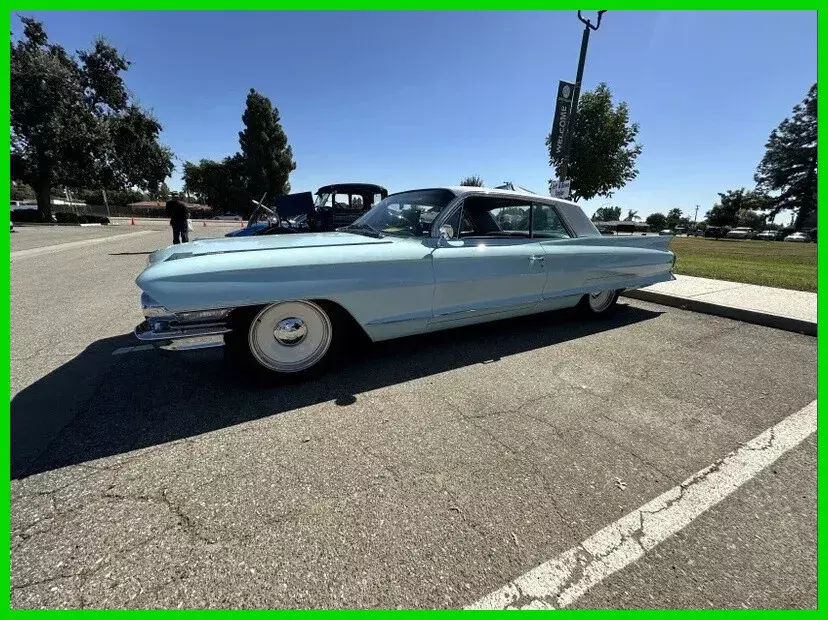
290, 336
601, 300
291, 331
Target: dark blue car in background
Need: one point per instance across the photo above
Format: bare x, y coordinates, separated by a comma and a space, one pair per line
335, 206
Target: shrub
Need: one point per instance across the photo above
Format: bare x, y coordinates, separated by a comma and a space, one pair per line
67, 218
26, 215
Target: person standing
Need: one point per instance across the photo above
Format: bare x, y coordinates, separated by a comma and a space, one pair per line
177, 212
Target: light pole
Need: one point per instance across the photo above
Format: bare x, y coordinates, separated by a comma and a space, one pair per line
578, 77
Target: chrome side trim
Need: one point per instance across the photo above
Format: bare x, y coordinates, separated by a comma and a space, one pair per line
415, 316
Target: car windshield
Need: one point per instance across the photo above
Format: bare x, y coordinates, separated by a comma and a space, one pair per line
407, 214
323, 200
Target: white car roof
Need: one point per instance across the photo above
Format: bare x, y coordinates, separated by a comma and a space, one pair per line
462, 190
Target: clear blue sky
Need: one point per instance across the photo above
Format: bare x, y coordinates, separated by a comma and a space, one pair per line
423, 99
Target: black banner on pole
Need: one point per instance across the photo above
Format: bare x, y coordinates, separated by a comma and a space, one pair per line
563, 108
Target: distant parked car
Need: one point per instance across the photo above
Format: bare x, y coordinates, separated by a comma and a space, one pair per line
229, 217
667, 231
714, 231
769, 235
798, 237
740, 233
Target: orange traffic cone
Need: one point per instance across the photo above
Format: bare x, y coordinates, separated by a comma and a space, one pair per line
132, 221
241, 224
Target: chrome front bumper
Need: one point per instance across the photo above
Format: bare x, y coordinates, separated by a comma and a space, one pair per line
159, 332
162, 325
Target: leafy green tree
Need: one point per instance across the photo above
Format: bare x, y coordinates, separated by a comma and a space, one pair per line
632, 216
673, 217
267, 156
74, 124
113, 198
732, 202
472, 181
750, 219
219, 184
607, 214
21, 191
656, 221
162, 194
603, 146
790, 162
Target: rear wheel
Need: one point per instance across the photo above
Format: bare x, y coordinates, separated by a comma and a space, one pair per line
599, 304
285, 341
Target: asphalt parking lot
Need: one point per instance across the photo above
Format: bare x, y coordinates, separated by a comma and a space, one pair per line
427, 472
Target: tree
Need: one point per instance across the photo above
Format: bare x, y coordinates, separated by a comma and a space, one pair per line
732, 202
163, 193
21, 191
632, 216
673, 217
472, 181
607, 214
656, 221
267, 156
113, 198
790, 162
73, 122
603, 147
750, 219
220, 184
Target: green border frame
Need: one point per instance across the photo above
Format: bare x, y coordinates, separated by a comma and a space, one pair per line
822, 254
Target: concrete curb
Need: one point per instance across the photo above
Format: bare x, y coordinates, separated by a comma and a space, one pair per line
786, 323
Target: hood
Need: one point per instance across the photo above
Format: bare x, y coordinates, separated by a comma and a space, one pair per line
223, 245
248, 230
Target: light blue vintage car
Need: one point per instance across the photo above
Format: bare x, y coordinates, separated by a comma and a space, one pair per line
419, 261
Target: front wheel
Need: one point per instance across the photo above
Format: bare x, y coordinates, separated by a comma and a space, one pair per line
599, 304
290, 340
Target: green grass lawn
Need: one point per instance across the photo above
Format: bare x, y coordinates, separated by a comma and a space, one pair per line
768, 263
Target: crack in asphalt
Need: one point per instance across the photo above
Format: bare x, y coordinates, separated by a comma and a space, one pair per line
578, 574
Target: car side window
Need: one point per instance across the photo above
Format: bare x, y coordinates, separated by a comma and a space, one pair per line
546, 223
342, 201
495, 216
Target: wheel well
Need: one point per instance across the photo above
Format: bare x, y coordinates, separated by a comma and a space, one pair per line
334, 310
338, 312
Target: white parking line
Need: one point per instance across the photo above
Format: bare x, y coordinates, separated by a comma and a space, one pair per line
48, 249
137, 347
564, 579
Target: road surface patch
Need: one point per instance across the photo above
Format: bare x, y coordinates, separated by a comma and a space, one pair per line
562, 580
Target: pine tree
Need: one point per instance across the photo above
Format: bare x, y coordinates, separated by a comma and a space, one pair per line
790, 162
268, 158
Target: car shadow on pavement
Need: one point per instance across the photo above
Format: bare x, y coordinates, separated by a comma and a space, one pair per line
99, 404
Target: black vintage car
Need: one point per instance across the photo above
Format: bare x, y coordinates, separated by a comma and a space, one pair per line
341, 204
334, 206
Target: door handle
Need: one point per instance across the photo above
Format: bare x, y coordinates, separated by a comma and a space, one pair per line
536, 259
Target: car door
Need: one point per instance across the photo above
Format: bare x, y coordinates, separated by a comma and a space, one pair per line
568, 267
492, 268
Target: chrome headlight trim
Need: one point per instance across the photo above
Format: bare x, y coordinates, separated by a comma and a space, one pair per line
200, 316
